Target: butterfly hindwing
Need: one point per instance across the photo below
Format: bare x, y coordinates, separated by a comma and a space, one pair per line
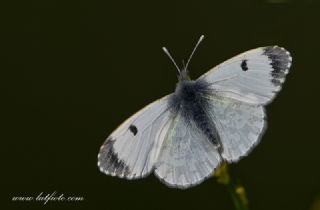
254, 76
240, 125
187, 157
132, 149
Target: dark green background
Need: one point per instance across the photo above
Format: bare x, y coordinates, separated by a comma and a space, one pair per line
72, 71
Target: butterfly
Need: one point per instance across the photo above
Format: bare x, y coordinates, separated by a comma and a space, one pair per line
184, 136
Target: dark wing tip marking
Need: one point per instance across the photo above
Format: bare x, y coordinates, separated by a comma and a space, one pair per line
109, 162
244, 65
133, 129
280, 60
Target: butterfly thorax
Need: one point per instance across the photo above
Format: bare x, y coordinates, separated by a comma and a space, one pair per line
191, 100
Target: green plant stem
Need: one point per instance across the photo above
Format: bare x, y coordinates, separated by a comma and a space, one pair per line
237, 192
239, 203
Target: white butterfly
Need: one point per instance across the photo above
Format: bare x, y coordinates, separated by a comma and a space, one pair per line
184, 136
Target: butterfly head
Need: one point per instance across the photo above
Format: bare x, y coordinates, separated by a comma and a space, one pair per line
184, 75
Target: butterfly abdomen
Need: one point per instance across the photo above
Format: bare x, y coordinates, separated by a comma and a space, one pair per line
190, 99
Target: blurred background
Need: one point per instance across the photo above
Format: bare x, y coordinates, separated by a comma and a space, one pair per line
72, 71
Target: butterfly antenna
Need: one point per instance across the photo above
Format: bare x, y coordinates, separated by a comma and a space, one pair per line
168, 54
194, 49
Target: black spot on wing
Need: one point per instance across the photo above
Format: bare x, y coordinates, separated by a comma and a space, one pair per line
280, 61
109, 161
244, 65
133, 129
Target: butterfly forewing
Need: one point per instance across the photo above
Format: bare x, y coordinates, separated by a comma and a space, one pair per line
253, 77
132, 149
